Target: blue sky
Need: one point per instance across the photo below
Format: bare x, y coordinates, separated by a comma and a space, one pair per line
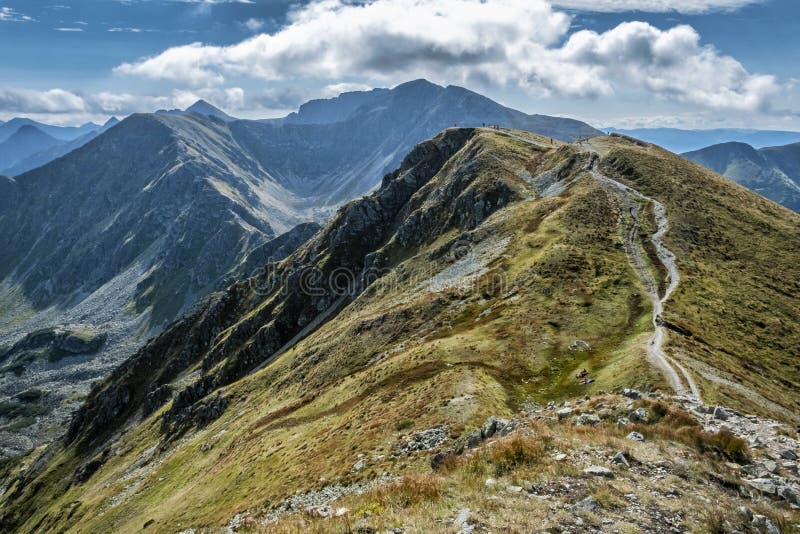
687, 63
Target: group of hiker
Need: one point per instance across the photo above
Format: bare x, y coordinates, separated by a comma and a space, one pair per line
583, 376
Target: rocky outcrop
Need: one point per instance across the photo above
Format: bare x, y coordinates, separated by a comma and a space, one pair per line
53, 344
248, 324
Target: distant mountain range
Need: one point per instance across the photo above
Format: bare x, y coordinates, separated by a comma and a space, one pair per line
678, 141
28, 144
773, 172
127, 231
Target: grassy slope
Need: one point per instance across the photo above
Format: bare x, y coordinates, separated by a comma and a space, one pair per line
739, 257
399, 353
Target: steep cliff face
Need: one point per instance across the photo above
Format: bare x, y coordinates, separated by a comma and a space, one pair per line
263, 313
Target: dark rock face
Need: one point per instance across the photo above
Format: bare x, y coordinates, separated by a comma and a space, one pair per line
127, 231
57, 342
260, 317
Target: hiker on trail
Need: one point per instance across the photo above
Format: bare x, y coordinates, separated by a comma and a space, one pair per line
583, 374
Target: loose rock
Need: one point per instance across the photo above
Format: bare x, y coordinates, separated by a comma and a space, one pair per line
599, 471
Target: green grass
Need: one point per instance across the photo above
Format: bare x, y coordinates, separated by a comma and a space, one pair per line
399, 358
739, 257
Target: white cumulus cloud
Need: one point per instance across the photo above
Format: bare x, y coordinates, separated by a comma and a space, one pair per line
525, 43
654, 6
380, 39
51, 101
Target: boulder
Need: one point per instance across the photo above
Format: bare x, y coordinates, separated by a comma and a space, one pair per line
765, 525
720, 413
563, 413
492, 425
620, 459
639, 415
635, 436
789, 494
764, 485
788, 454
598, 471
632, 393
589, 504
439, 458
587, 419
474, 438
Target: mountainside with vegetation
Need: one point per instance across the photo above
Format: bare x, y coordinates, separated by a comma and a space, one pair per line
106, 239
128, 230
406, 360
773, 172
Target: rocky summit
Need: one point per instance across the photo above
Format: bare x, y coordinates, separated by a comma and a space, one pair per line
511, 333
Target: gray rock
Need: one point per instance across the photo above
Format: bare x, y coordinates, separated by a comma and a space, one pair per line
462, 518
579, 345
770, 466
639, 415
425, 440
789, 494
563, 413
788, 454
764, 485
492, 425
439, 458
632, 393
506, 429
720, 413
635, 436
598, 471
359, 465
490, 482
474, 438
589, 504
620, 459
323, 510
587, 419
745, 512
765, 525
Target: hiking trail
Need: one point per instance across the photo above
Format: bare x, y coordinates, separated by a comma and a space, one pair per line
634, 202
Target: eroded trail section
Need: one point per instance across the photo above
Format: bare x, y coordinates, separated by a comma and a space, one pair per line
634, 203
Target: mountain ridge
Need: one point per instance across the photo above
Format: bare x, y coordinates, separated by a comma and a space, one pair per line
685, 140
483, 274
773, 172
